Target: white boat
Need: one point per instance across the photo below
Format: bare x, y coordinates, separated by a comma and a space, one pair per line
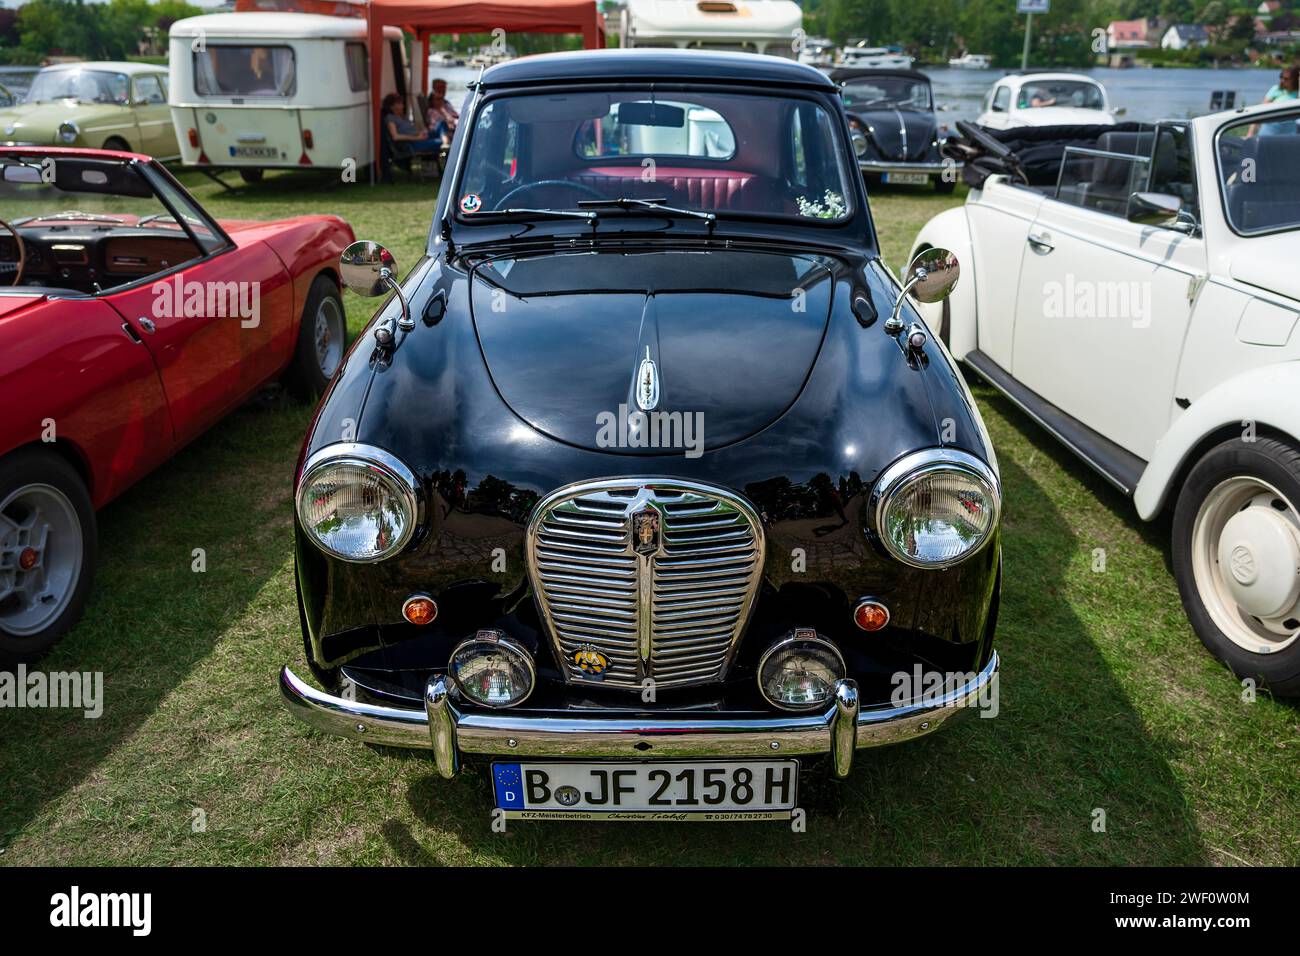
971, 61
445, 58
747, 26
874, 57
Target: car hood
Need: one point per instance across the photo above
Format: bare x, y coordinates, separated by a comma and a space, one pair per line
730, 337
897, 134
32, 121
1061, 116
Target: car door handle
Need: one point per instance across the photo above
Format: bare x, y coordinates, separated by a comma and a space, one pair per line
1040, 243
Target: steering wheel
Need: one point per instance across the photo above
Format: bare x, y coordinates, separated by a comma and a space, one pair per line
504, 201
22, 255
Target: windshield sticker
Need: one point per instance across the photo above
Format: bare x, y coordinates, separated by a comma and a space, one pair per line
470, 202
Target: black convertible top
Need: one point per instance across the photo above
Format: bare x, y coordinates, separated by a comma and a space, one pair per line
1029, 154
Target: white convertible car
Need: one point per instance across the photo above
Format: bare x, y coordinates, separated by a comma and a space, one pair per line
1135, 290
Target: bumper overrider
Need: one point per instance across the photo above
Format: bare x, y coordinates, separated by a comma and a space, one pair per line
450, 731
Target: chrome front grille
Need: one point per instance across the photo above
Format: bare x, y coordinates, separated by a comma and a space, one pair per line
657, 576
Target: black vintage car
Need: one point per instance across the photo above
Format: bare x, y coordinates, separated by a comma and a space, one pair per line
647, 485
895, 133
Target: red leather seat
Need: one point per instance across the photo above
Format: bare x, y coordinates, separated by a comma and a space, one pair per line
690, 187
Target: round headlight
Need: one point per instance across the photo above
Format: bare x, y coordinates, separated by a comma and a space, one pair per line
799, 672
357, 503
936, 507
68, 132
492, 670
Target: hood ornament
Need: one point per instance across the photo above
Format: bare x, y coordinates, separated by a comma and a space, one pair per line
647, 383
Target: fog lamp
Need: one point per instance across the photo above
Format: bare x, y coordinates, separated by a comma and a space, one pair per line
492, 670
799, 671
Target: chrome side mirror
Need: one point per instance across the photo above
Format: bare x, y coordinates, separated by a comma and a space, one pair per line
368, 269
930, 277
1159, 210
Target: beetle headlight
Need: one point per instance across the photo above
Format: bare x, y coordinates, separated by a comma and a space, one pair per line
68, 132
357, 503
492, 670
937, 507
799, 672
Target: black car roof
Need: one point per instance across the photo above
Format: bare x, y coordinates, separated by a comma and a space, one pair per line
845, 73
651, 64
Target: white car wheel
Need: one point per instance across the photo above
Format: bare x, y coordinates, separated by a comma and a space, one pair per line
1236, 555
1246, 562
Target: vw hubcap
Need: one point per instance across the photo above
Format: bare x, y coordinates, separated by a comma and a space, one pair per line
40, 558
1246, 563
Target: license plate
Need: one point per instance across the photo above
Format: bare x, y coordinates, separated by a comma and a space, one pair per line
254, 152
721, 790
907, 179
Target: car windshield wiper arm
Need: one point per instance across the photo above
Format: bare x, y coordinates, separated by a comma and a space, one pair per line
628, 204
558, 213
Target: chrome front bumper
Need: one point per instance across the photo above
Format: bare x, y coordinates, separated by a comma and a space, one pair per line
450, 732
876, 166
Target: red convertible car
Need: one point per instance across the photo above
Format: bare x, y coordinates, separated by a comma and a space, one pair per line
130, 321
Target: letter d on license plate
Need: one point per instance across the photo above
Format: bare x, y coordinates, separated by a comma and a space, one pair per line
716, 790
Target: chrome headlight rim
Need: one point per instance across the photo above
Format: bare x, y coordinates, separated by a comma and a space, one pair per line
356, 453
916, 465
496, 639
799, 637
68, 126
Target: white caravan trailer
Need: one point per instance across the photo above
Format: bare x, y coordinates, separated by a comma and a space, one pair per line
253, 91
749, 26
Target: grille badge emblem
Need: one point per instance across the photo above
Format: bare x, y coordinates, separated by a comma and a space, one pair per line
645, 531
647, 383
590, 661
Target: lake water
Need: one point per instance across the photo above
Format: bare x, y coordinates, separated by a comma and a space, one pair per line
1148, 95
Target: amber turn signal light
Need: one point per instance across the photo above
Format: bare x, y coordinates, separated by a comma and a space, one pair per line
420, 609
870, 615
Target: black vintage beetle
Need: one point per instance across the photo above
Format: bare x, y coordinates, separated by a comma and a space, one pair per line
647, 483
896, 135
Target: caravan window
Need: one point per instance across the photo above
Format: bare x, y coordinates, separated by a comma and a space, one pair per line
358, 66
245, 71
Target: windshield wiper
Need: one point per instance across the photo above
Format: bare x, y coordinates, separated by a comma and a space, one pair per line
629, 204
556, 213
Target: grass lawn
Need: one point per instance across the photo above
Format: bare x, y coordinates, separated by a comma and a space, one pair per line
1108, 702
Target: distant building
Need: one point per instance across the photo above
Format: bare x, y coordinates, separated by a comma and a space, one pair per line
1268, 8
1133, 34
1184, 36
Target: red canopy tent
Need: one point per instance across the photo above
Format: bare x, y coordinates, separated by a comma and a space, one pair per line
424, 18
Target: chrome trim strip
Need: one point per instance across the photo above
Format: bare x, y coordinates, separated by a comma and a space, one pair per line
449, 732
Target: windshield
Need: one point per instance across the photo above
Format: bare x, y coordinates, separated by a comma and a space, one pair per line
1259, 169
888, 92
698, 152
85, 86
1079, 94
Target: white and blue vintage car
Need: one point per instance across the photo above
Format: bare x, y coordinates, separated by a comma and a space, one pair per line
1136, 289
